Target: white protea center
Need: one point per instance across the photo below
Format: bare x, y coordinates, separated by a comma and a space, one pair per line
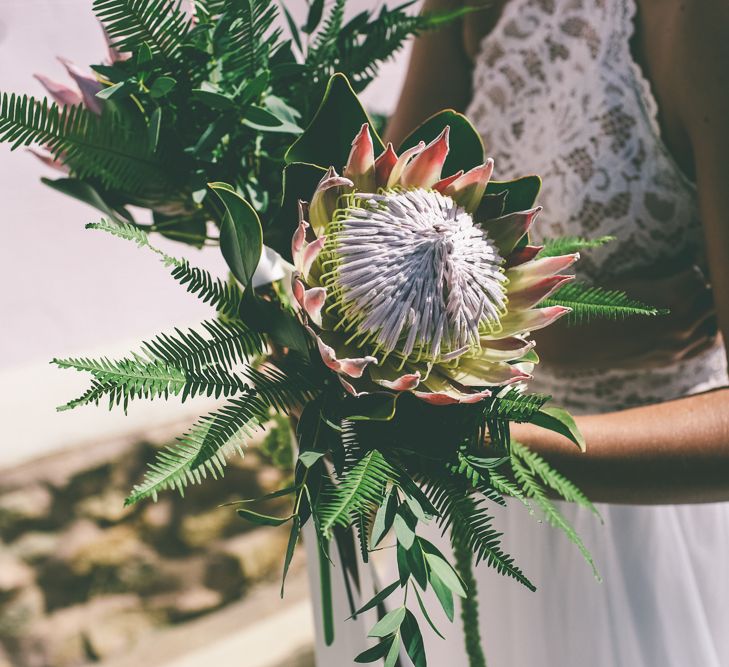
413, 275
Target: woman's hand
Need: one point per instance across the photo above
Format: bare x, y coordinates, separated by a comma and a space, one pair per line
640, 342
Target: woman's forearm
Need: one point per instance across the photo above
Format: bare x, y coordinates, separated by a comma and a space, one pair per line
673, 452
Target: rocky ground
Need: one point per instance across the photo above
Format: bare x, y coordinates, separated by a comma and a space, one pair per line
84, 579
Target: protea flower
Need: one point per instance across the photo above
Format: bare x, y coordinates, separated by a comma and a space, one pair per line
404, 285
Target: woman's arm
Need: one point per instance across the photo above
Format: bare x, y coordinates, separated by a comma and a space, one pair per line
676, 451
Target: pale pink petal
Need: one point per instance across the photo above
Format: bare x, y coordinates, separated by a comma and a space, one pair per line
468, 190
47, 158
534, 292
522, 255
383, 166
443, 183
402, 162
87, 83
507, 230
352, 367
478, 372
539, 268
528, 320
299, 238
448, 398
64, 95
310, 253
424, 170
360, 167
406, 382
508, 349
326, 199
314, 299
298, 288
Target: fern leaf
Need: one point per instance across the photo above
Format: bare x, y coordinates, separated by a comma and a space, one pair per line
361, 490
588, 302
251, 36
532, 489
133, 233
551, 477
228, 343
517, 406
224, 297
160, 24
566, 245
104, 147
471, 524
204, 449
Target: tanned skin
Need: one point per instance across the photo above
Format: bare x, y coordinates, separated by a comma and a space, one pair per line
673, 452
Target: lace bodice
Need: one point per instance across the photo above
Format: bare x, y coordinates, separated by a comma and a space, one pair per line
556, 91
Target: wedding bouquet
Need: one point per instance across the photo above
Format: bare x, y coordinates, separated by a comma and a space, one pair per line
401, 339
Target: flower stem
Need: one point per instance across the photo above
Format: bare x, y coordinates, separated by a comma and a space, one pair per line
469, 605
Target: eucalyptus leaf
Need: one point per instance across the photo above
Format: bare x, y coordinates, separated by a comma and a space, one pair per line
378, 598
389, 623
412, 639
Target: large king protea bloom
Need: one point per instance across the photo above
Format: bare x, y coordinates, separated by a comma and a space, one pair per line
405, 286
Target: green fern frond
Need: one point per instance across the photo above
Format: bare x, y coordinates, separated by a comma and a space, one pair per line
204, 449
160, 24
566, 245
224, 297
104, 147
470, 523
133, 233
323, 49
362, 47
588, 302
535, 491
228, 343
133, 378
551, 477
361, 490
251, 36
517, 406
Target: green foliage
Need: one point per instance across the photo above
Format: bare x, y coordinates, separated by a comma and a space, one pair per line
105, 147
566, 245
159, 25
204, 449
134, 233
526, 477
225, 297
360, 491
470, 523
588, 302
277, 446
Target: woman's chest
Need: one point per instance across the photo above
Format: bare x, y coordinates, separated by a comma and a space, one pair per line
556, 91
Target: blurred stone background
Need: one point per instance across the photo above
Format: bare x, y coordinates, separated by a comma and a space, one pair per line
178, 583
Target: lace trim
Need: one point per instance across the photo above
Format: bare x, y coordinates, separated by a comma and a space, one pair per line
644, 92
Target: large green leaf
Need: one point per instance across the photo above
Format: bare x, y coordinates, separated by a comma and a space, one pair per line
466, 147
520, 193
241, 237
299, 182
328, 139
560, 421
86, 193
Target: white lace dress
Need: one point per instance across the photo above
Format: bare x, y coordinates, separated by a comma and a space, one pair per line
556, 92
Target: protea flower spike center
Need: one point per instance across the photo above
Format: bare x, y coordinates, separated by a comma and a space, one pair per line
414, 275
